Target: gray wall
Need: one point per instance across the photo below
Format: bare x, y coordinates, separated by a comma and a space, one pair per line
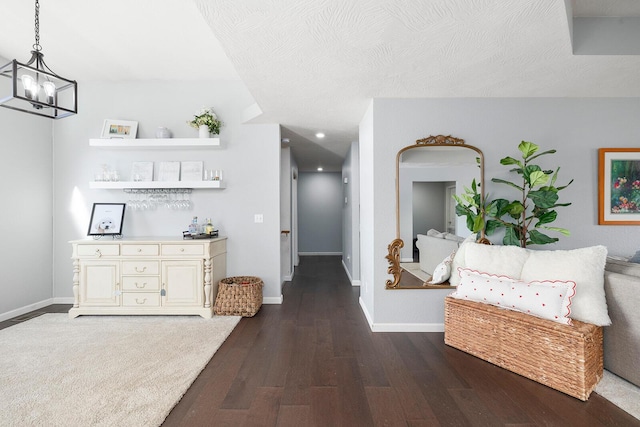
351, 214
428, 206
26, 258
575, 127
320, 202
249, 156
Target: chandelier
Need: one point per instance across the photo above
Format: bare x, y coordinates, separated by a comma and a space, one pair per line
33, 88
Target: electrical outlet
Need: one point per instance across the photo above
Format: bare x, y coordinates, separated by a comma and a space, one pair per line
258, 218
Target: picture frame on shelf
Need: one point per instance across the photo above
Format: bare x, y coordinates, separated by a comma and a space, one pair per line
619, 186
142, 171
119, 129
169, 171
191, 171
106, 219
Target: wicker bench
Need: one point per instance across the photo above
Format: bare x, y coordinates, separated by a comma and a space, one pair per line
566, 358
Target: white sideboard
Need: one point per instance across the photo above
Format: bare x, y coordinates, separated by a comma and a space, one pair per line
147, 276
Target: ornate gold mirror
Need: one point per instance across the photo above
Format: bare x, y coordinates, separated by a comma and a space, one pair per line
428, 174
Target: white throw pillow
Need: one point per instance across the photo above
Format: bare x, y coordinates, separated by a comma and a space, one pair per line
495, 259
546, 299
458, 260
585, 266
442, 272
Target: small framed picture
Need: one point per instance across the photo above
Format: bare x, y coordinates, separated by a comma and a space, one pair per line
191, 171
106, 219
619, 186
121, 129
142, 171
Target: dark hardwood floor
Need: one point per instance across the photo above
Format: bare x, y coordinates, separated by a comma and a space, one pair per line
313, 361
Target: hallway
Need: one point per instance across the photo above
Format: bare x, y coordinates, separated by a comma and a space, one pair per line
313, 361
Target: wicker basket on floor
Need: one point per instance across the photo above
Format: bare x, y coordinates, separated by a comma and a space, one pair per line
239, 296
566, 358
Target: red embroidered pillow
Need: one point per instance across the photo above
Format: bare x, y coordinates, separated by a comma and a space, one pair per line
543, 298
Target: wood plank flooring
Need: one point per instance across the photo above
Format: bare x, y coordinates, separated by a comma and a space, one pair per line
313, 361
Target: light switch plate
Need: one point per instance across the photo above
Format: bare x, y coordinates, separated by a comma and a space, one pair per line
258, 218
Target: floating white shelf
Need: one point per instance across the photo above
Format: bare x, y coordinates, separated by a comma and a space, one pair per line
119, 185
156, 143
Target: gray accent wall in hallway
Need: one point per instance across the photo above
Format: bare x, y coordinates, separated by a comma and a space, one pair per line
320, 201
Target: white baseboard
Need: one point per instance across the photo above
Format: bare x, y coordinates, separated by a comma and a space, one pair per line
272, 300
346, 270
26, 309
407, 327
399, 327
63, 300
406, 260
318, 253
288, 277
353, 282
366, 313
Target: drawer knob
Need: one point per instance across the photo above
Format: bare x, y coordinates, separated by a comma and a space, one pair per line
138, 301
141, 271
181, 249
139, 249
140, 286
98, 253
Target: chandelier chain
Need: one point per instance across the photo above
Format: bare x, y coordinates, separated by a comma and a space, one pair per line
37, 46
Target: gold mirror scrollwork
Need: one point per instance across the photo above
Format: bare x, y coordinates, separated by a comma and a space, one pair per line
394, 248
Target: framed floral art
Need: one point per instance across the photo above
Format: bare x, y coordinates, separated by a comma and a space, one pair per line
619, 186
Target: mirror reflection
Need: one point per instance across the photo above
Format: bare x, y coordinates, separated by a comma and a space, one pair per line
428, 230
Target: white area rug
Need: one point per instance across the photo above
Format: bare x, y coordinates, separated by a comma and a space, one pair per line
102, 370
621, 393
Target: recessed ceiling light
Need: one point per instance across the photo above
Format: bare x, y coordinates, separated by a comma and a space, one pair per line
319, 135
319, 169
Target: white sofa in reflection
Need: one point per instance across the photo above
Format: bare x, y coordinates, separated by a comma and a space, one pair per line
434, 247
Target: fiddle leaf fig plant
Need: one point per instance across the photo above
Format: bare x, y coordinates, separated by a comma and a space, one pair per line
525, 217
469, 204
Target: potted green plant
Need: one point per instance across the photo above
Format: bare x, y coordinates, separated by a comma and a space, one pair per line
523, 218
206, 121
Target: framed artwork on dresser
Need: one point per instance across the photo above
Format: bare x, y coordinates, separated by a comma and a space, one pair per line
106, 219
619, 186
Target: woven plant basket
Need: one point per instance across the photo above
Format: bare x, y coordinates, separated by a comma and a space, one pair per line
566, 358
239, 296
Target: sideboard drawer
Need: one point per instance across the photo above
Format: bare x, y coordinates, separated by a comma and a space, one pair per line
182, 250
140, 250
140, 267
140, 283
98, 250
141, 299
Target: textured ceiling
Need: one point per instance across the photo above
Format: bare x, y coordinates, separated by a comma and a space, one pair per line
314, 65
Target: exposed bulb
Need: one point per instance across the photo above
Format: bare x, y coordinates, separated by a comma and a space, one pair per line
49, 90
30, 87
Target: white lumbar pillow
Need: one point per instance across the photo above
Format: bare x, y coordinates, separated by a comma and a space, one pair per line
546, 299
585, 266
442, 272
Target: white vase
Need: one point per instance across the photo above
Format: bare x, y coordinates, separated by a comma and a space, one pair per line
203, 131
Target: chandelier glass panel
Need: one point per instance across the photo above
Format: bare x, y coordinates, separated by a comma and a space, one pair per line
32, 87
